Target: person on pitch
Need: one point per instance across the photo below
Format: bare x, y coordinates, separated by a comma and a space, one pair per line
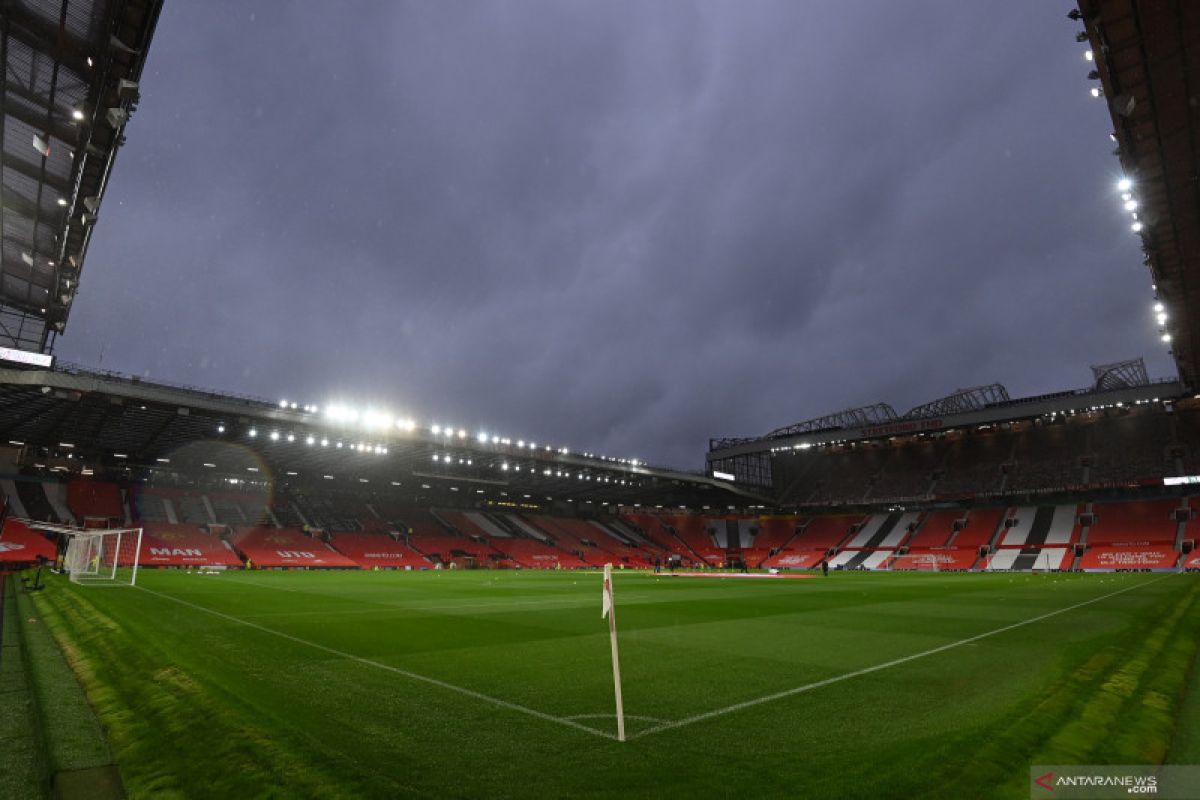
825, 567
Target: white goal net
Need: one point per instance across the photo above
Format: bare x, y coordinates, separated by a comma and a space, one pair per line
107, 556
926, 563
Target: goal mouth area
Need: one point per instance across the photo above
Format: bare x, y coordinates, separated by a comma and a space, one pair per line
97, 556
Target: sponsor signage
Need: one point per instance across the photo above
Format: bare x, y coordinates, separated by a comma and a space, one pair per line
26, 357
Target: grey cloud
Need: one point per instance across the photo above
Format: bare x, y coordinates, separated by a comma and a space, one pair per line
620, 226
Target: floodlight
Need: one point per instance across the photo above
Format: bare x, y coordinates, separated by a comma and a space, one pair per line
252, 432
1131, 205
76, 114
283, 403
1159, 308
1136, 227
1088, 55
310, 441
483, 437
1096, 92
274, 436
1166, 337
1125, 184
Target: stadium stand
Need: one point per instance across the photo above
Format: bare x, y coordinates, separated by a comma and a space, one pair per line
95, 501
981, 526
1134, 523
164, 544
22, 546
907, 471
936, 529
283, 547
32, 497
370, 550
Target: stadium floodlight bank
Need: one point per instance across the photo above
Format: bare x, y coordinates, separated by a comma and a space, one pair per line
102, 556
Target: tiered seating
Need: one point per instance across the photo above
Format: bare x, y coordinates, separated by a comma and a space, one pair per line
225, 509
95, 499
590, 543
164, 544
537, 555
1048, 456
793, 559
287, 547
773, 533
190, 508
377, 550
972, 465
936, 530
1131, 448
464, 523
1192, 561
447, 547
1029, 558
947, 559
1132, 535
981, 524
907, 472
693, 532
20, 544
651, 528
823, 533
1134, 557
149, 505
809, 547
418, 521
1142, 522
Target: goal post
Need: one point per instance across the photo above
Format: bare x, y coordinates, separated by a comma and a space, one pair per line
101, 556
926, 563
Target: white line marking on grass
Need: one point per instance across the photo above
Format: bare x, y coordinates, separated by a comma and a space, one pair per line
868, 670
388, 668
613, 717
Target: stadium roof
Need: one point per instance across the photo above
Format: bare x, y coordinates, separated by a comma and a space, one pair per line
1123, 383
71, 72
1147, 59
68, 420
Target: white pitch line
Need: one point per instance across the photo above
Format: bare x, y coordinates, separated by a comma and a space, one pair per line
868, 670
388, 668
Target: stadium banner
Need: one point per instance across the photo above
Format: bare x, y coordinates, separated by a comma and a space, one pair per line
1066, 781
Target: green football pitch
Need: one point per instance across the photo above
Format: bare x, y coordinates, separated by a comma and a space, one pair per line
499, 684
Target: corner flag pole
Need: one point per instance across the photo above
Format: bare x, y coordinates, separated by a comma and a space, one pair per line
609, 610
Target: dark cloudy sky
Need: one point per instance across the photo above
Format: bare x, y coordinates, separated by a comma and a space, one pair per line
616, 226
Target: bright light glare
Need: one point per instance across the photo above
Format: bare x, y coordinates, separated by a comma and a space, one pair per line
1125, 184
1131, 205
1088, 55
377, 420
1136, 227
1159, 308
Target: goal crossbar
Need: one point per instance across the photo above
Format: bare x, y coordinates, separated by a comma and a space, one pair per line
104, 556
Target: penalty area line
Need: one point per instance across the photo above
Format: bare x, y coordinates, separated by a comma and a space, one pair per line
496, 701
718, 712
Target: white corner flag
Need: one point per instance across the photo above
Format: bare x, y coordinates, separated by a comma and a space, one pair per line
608, 609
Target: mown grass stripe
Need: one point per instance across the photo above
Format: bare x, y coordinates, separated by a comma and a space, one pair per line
770, 698
389, 668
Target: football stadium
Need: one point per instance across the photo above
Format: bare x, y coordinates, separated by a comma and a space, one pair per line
207, 593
